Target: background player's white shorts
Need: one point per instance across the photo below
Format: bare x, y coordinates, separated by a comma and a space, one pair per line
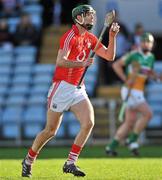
136, 97
62, 96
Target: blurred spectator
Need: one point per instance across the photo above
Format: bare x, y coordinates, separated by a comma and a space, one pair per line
138, 31
57, 13
26, 33
107, 74
10, 8
47, 12
5, 36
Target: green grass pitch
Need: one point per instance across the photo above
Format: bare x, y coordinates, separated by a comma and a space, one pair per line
92, 160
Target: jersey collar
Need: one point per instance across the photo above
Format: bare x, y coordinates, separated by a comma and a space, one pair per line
144, 55
76, 30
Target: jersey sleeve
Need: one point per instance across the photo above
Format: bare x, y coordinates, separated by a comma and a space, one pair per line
128, 58
66, 42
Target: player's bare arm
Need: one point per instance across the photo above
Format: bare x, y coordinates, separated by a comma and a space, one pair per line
118, 68
109, 52
63, 61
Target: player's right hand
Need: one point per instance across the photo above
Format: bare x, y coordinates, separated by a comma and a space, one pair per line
129, 82
114, 29
88, 62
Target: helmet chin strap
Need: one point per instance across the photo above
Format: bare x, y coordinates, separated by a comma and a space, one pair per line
81, 23
86, 26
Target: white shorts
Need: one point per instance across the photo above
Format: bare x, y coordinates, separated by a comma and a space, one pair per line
62, 96
136, 97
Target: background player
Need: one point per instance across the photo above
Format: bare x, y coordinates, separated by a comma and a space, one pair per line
75, 46
138, 112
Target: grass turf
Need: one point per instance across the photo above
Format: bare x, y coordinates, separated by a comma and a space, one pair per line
93, 161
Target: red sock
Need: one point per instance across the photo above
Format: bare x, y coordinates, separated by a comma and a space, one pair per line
31, 156
74, 154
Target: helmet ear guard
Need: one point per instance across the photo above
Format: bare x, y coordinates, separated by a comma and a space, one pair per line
82, 10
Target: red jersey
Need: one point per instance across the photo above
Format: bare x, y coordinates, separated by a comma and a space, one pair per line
79, 47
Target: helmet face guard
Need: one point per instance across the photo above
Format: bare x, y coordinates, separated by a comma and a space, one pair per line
82, 11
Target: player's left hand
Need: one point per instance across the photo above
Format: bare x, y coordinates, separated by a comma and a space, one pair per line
129, 82
88, 62
114, 29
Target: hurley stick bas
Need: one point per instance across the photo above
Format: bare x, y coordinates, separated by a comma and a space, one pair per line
108, 20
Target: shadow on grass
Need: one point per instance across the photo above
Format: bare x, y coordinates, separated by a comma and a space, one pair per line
88, 152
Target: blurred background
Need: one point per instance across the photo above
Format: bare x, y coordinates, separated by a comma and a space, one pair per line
29, 40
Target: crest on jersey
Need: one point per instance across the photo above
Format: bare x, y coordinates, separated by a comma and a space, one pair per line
88, 45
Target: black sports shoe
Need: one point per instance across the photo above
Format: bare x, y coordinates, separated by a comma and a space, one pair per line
110, 152
134, 148
135, 152
26, 170
71, 168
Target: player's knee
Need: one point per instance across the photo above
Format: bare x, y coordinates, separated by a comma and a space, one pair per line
130, 126
50, 132
87, 125
149, 115
90, 124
